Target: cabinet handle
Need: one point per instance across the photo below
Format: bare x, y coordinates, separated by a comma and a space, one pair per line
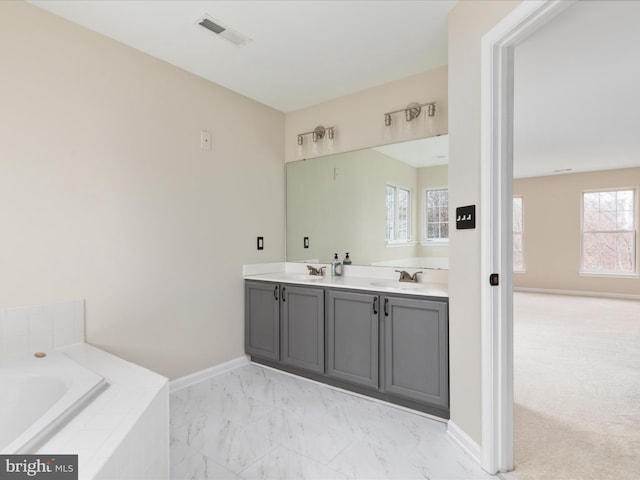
386, 307
375, 305
283, 299
275, 293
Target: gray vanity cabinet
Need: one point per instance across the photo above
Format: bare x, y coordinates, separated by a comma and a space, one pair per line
416, 355
302, 310
352, 337
391, 347
262, 320
285, 324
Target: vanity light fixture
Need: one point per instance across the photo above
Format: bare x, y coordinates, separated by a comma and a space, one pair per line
412, 111
317, 133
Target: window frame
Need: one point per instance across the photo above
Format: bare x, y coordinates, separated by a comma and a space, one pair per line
426, 241
395, 241
634, 231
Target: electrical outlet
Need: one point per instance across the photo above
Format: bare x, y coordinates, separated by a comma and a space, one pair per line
306, 242
260, 243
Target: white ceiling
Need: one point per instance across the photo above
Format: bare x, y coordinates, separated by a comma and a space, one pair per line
302, 52
577, 91
425, 152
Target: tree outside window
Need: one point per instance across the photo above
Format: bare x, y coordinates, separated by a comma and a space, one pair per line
518, 252
437, 213
608, 232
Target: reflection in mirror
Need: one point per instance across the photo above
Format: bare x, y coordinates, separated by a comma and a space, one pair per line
386, 206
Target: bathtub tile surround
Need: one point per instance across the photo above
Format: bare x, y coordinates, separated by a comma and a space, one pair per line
257, 423
124, 432
41, 327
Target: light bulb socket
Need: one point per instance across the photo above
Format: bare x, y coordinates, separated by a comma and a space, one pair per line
412, 111
318, 133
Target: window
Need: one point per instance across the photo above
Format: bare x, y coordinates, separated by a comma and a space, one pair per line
518, 257
398, 214
608, 232
437, 212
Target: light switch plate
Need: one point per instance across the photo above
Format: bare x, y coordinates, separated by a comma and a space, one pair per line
466, 217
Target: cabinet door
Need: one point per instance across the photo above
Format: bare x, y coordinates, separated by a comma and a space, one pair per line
416, 350
262, 320
303, 327
352, 343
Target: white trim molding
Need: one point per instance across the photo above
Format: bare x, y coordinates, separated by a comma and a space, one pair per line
464, 440
496, 166
207, 373
578, 293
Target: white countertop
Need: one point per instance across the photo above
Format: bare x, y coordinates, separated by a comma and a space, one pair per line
373, 283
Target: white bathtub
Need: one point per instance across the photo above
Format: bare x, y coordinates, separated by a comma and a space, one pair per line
37, 395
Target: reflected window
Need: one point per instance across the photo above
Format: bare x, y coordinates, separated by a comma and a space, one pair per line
518, 254
608, 232
398, 214
437, 213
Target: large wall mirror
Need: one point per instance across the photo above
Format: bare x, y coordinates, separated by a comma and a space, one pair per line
386, 206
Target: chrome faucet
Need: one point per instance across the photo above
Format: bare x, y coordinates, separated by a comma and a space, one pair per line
407, 277
318, 272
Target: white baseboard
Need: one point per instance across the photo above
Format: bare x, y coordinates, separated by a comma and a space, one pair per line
578, 293
207, 373
464, 440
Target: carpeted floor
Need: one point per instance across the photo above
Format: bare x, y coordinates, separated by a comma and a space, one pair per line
577, 388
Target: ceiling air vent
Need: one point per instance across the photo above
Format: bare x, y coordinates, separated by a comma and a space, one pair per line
222, 31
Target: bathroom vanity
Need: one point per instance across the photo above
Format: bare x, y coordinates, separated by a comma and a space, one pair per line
379, 338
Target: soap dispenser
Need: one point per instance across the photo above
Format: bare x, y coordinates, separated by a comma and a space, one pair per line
347, 260
336, 266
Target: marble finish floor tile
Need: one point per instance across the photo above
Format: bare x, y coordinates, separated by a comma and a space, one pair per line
283, 463
189, 464
258, 423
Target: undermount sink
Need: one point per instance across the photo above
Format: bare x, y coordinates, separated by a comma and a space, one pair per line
397, 284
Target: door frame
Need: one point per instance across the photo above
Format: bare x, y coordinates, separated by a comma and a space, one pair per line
496, 186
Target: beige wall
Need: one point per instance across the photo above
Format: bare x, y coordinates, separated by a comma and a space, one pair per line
552, 227
359, 118
347, 212
468, 22
106, 195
